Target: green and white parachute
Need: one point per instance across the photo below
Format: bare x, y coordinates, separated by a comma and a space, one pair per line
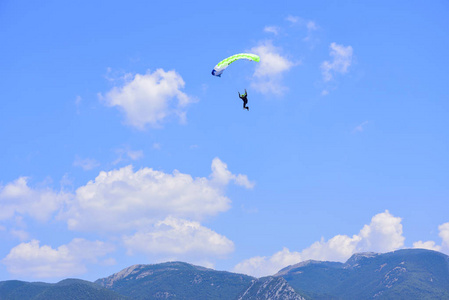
222, 65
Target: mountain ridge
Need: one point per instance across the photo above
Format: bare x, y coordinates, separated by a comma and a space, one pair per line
403, 274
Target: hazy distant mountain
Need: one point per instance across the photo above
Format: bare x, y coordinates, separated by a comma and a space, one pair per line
403, 274
176, 280
66, 289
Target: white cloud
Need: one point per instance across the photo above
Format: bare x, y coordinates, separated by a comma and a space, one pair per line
268, 74
429, 245
32, 260
271, 62
342, 59
123, 199
272, 29
126, 153
444, 234
78, 101
18, 199
338, 248
293, 19
180, 238
86, 164
22, 235
134, 155
222, 175
150, 99
360, 127
261, 266
383, 234
311, 26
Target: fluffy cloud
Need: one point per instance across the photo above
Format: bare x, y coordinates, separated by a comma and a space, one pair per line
221, 175
179, 237
125, 199
149, 99
431, 245
444, 235
260, 265
35, 261
268, 74
17, 198
383, 234
341, 60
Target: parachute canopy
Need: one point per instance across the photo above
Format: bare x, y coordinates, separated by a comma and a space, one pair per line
222, 65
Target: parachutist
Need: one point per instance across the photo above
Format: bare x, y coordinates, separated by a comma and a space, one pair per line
245, 100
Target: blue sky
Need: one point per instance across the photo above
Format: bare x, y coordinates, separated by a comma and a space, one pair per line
119, 147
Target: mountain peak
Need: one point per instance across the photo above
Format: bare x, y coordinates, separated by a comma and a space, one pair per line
405, 274
295, 266
142, 270
292, 269
355, 259
173, 279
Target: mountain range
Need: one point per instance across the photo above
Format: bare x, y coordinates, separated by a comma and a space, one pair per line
402, 274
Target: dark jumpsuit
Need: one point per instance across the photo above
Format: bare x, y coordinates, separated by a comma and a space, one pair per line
245, 100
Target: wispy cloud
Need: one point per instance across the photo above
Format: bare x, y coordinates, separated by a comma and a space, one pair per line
360, 127
22, 235
341, 61
126, 154
86, 163
292, 19
272, 29
311, 26
78, 101
150, 99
